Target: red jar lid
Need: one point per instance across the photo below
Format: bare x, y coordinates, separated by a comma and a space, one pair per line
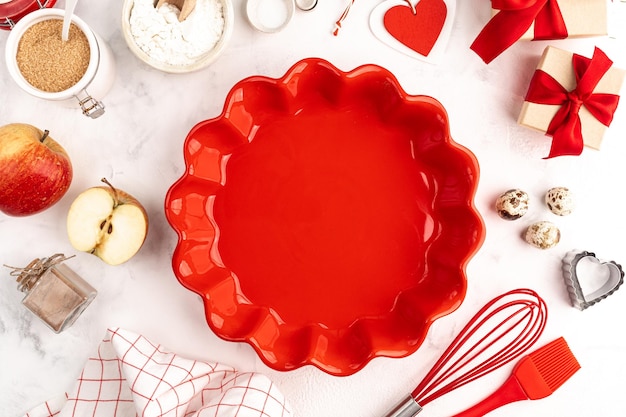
14, 10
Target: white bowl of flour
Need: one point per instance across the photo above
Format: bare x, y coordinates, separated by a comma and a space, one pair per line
157, 37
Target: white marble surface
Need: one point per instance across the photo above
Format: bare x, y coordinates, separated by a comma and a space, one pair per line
137, 145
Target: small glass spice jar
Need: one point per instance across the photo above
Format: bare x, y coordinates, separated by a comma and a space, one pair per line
54, 292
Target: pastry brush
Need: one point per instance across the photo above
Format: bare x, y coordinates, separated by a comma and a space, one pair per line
534, 377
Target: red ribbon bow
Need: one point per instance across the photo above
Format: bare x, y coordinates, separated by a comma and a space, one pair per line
565, 127
513, 20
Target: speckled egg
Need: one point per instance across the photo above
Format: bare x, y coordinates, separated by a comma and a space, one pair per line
543, 235
560, 201
512, 204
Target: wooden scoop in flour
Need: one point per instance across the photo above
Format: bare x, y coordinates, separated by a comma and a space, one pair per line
185, 7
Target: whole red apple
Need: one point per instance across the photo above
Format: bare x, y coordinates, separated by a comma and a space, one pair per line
35, 171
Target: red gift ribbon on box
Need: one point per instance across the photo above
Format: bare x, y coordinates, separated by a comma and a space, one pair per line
565, 127
513, 20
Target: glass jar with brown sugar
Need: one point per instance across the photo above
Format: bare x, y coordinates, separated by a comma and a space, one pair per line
48, 62
54, 292
75, 73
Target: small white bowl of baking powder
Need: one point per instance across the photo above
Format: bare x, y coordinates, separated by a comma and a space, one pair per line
157, 37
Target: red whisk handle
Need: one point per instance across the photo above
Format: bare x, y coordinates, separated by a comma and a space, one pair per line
509, 392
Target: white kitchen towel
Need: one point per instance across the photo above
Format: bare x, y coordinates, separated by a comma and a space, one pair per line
132, 377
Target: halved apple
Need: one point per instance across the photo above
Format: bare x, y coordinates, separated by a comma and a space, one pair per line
108, 223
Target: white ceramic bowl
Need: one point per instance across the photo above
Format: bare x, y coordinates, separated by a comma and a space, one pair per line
202, 61
257, 19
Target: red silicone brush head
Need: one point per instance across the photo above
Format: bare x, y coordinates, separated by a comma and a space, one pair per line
546, 369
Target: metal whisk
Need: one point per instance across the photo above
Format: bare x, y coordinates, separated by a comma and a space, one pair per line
501, 331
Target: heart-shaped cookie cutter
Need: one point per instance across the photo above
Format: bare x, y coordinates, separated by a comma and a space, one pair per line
578, 297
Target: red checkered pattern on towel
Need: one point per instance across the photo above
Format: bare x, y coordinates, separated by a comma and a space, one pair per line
130, 376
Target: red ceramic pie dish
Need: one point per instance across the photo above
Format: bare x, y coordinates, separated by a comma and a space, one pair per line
325, 217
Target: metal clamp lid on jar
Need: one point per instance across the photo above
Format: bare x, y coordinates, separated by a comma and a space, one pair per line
89, 105
13, 10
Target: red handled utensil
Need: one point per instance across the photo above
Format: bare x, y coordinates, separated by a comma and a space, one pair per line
536, 376
505, 328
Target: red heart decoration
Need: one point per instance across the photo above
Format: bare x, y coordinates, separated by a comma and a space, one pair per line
419, 29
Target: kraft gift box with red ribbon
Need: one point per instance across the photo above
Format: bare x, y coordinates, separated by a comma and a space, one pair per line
514, 20
572, 98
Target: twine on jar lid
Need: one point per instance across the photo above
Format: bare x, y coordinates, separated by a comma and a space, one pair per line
27, 276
